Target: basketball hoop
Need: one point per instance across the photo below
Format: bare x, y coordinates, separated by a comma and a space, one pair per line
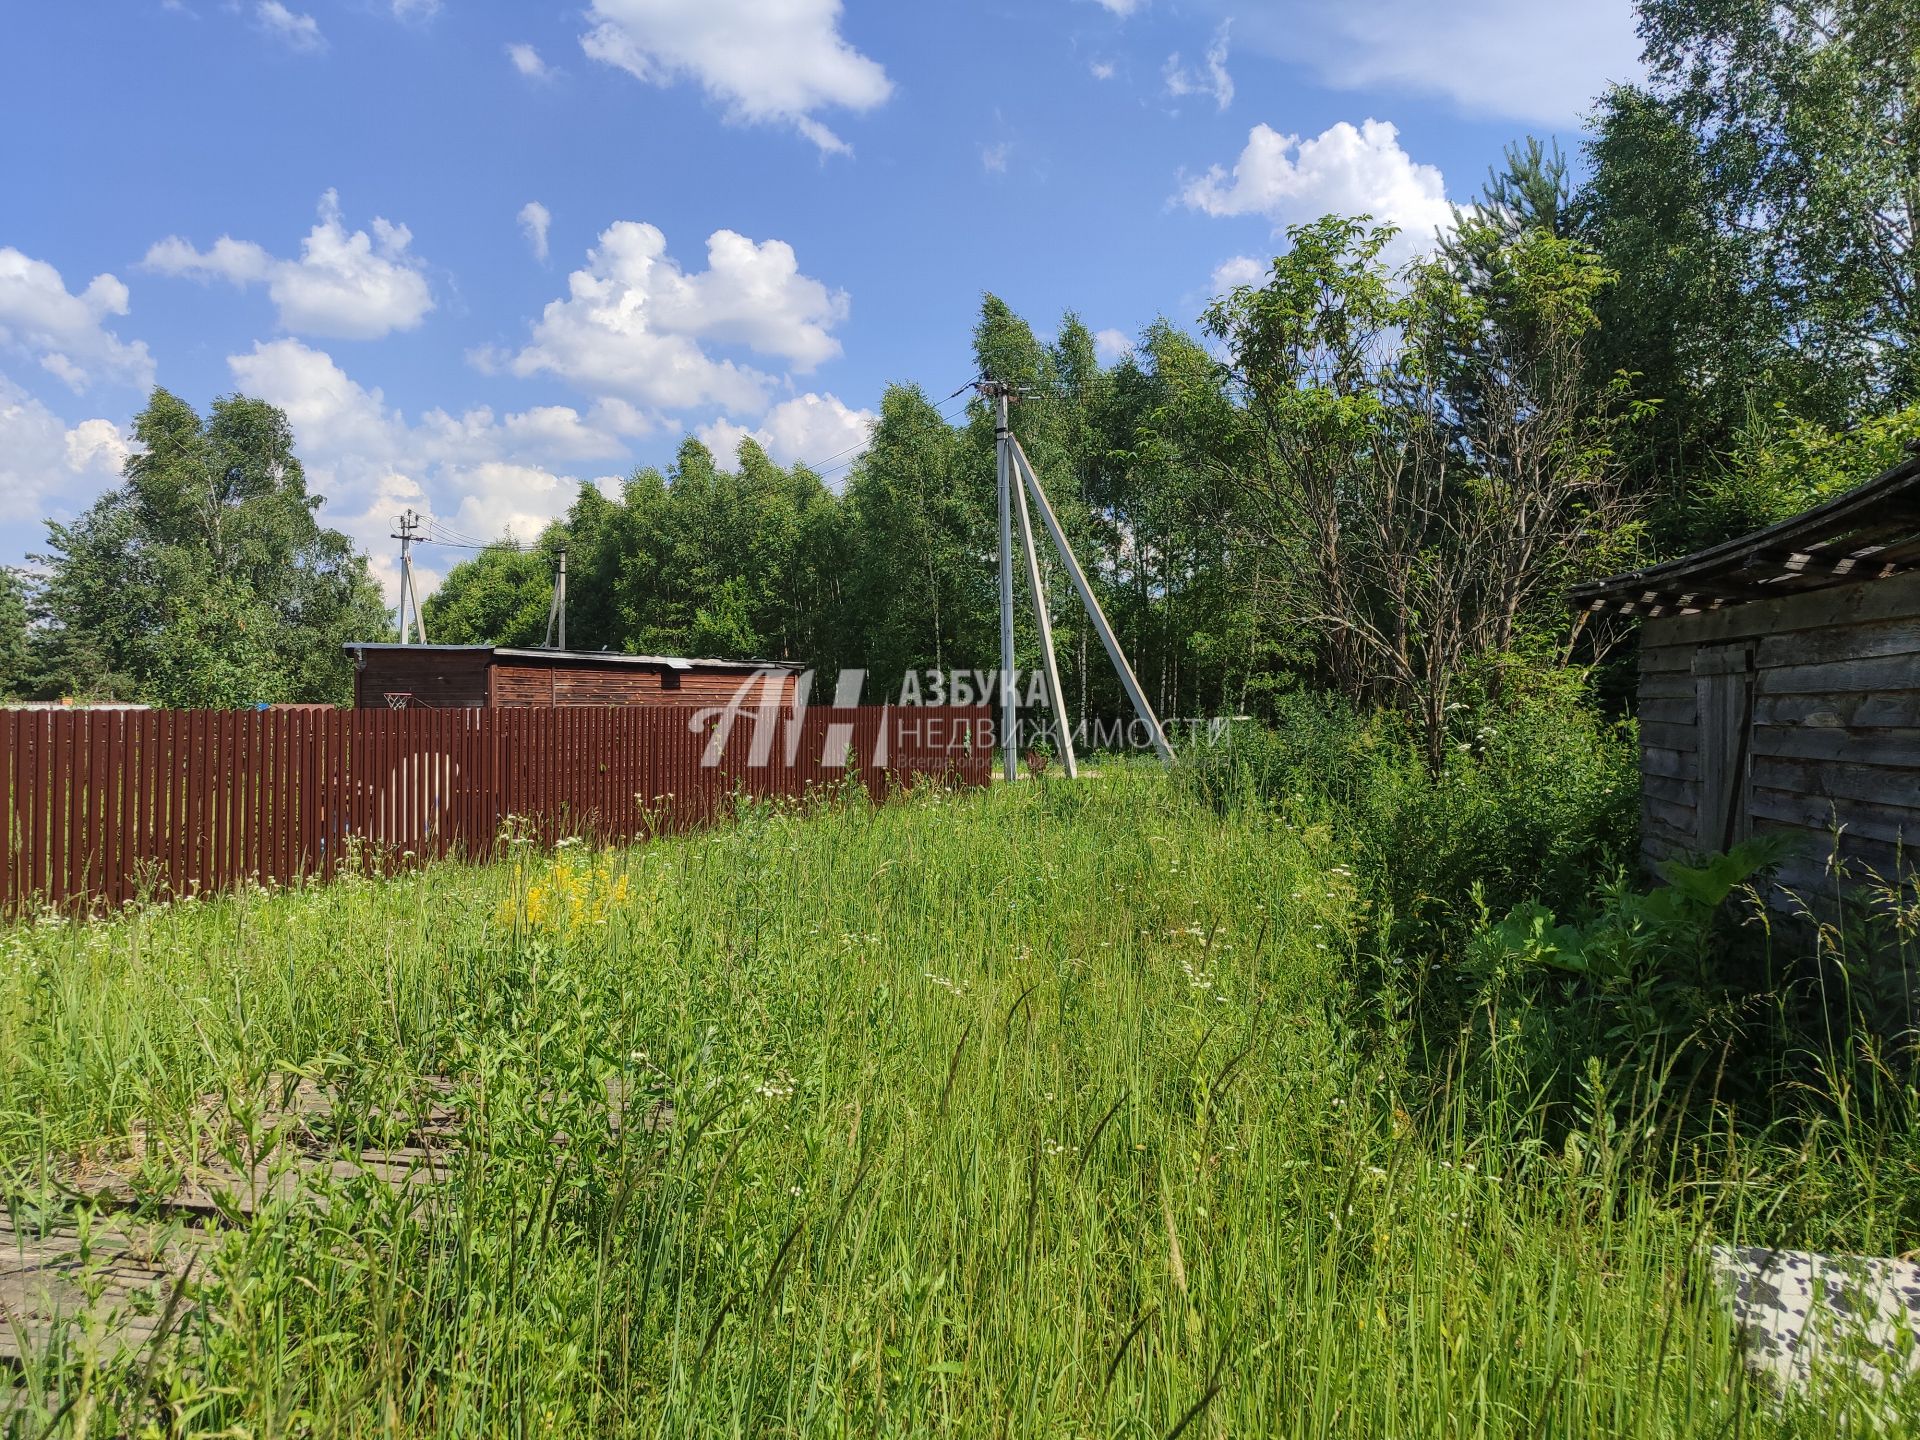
398, 699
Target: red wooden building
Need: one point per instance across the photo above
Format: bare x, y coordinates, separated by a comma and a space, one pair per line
445, 677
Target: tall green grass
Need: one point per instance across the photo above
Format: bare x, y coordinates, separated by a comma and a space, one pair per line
1053, 1111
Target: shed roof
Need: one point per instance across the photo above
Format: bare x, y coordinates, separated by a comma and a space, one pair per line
1869, 533
582, 657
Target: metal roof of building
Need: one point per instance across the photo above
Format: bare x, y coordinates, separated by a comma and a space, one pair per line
592, 657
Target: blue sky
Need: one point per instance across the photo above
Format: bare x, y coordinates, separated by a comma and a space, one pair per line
482, 252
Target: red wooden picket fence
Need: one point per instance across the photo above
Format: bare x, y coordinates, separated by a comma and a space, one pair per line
106, 806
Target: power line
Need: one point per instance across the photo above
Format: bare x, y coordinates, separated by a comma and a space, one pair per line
442, 534
444, 531
826, 467
520, 547
821, 467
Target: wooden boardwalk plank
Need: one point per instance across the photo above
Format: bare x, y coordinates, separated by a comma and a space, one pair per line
120, 1284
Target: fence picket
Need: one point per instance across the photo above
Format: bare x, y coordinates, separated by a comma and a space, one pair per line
58, 758
10, 788
202, 801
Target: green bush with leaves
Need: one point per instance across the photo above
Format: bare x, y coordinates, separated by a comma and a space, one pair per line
1781, 465
1645, 982
1536, 798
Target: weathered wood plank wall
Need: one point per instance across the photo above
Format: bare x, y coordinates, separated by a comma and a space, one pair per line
1828, 735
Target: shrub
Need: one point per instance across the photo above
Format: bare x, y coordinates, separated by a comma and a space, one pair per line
1647, 976
1536, 800
1781, 465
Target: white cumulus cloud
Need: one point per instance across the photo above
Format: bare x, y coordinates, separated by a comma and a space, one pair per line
290, 27
1112, 345
415, 9
332, 415
1343, 170
348, 285
527, 61
765, 61
65, 332
553, 432
1517, 59
534, 221
47, 467
97, 447
634, 323
482, 473
1122, 7
820, 431
1211, 79
1232, 273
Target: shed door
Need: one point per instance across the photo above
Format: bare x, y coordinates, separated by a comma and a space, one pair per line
1723, 699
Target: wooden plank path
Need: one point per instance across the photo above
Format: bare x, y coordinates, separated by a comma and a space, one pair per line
114, 1286
116, 1289
133, 1272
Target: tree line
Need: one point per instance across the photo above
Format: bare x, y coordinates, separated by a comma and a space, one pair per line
1372, 479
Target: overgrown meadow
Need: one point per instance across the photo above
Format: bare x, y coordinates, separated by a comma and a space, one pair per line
1057, 1110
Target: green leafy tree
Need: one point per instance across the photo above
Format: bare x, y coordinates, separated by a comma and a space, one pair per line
1527, 195
1685, 316
592, 536
1199, 590
1758, 198
638, 568
1808, 113
502, 596
1780, 465
919, 537
742, 564
723, 625
205, 578
216, 650
15, 660
1416, 536
746, 570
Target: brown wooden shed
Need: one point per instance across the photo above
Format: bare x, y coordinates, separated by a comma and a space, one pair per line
1780, 686
444, 677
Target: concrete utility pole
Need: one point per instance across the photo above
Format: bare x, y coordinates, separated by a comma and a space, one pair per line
1017, 482
405, 525
1056, 697
1098, 616
1003, 460
557, 612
